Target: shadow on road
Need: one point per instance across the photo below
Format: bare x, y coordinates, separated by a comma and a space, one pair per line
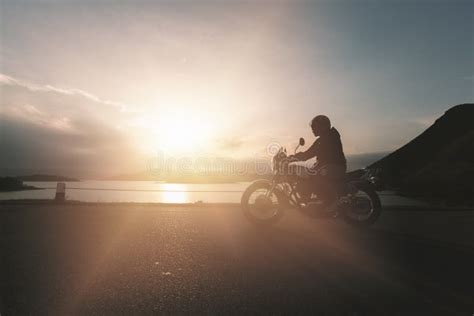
144, 259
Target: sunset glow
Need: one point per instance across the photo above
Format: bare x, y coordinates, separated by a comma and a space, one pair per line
102, 90
181, 131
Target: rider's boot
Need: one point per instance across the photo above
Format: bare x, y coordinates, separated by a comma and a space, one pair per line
333, 209
304, 200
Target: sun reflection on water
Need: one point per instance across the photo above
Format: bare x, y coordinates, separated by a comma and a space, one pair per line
177, 193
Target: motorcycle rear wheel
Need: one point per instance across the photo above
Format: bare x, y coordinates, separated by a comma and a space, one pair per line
364, 209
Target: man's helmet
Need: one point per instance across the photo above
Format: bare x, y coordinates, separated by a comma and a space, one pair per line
321, 122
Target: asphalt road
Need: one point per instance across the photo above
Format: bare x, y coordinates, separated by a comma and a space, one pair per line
150, 259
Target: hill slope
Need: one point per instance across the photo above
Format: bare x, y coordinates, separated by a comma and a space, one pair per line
439, 163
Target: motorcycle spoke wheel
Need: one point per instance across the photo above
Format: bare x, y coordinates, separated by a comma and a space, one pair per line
262, 207
360, 207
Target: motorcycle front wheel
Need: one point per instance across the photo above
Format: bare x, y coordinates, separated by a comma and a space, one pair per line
259, 208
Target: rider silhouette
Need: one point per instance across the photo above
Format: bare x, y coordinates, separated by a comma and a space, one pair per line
331, 162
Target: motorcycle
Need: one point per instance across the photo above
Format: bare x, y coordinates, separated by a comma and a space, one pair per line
265, 201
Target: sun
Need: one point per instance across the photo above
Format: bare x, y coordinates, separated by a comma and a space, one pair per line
177, 130
181, 133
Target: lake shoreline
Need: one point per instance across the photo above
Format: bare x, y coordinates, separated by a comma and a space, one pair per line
26, 188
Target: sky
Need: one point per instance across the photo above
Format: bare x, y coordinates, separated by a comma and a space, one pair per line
97, 87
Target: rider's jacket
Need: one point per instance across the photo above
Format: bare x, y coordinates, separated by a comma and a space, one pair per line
328, 150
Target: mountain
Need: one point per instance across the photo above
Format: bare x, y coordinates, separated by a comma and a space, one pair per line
439, 163
46, 177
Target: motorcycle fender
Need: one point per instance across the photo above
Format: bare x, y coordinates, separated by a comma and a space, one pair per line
360, 184
262, 182
278, 189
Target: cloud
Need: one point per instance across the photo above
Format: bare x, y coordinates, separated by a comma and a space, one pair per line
7, 80
44, 126
31, 114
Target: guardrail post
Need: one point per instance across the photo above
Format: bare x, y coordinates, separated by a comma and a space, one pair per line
60, 191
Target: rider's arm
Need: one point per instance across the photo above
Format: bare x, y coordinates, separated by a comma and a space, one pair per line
308, 154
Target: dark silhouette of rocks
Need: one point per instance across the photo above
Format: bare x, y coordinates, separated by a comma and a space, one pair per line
13, 184
439, 163
46, 177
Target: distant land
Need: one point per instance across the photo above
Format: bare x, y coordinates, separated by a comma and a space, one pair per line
46, 178
8, 184
438, 165
187, 178
354, 162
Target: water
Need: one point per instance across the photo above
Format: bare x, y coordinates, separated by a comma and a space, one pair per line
149, 192
129, 191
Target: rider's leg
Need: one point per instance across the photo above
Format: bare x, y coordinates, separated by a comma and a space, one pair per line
325, 182
304, 189
320, 186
